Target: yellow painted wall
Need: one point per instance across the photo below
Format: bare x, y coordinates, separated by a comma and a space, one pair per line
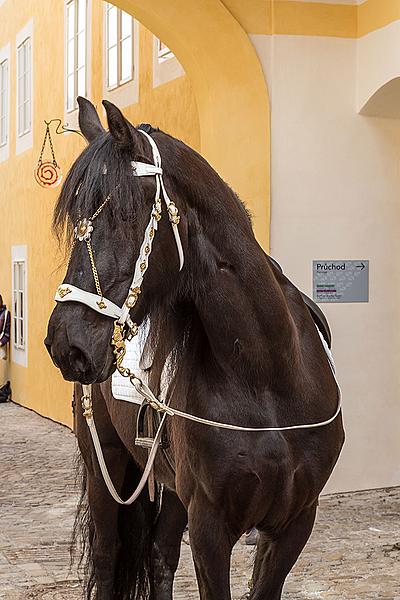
230, 90
288, 17
221, 108
26, 209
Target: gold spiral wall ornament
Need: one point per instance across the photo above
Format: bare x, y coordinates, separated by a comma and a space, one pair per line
47, 172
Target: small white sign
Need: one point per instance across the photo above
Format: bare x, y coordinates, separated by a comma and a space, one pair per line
340, 280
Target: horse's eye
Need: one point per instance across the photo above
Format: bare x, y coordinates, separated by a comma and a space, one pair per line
225, 266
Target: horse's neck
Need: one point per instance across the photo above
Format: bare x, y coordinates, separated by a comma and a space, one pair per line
245, 313
242, 307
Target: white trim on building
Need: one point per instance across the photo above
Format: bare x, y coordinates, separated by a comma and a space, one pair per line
127, 91
5, 54
77, 56
25, 87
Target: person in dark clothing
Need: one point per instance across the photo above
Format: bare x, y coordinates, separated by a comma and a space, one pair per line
4, 325
5, 390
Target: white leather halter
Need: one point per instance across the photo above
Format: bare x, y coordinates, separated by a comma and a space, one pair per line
70, 293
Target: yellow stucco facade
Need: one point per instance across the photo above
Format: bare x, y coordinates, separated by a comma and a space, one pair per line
27, 209
220, 106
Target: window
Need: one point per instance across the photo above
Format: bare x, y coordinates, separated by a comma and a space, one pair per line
119, 47
76, 51
19, 312
18, 303
3, 102
24, 87
165, 64
164, 53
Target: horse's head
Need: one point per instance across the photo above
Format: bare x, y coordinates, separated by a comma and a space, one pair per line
108, 209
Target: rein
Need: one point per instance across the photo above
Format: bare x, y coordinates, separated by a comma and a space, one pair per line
126, 329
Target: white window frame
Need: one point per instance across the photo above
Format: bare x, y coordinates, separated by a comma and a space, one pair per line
5, 54
163, 52
19, 311
24, 40
166, 66
71, 113
24, 69
73, 70
4, 70
118, 45
128, 92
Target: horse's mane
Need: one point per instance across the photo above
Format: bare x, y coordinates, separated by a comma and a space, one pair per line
174, 320
86, 186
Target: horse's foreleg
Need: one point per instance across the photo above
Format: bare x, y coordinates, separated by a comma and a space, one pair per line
104, 515
167, 545
276, 557
211, 543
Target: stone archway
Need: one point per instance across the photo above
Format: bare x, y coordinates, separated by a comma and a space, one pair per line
230, 89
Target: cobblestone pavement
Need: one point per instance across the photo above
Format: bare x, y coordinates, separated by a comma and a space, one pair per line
353, 553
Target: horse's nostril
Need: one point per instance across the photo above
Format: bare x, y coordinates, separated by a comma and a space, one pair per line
78, 359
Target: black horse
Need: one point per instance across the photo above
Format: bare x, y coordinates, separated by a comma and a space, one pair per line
244, 350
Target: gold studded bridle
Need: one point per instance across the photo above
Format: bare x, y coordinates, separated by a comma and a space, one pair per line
124, 327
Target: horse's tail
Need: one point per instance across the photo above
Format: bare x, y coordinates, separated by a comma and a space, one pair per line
135, 540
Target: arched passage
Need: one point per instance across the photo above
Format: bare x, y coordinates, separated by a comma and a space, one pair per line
230, 90
385, 102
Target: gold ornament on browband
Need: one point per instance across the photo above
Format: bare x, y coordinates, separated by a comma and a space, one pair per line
84, 227
83, 230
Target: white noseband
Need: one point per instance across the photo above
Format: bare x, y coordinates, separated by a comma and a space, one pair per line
70, 293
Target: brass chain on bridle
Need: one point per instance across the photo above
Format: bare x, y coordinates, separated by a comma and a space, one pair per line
83, 231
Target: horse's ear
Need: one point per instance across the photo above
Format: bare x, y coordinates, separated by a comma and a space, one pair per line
89, 122
121, 130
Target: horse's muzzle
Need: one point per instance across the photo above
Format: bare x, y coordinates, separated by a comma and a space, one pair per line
74, 361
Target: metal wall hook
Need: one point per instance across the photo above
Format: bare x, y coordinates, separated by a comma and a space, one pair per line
61, 128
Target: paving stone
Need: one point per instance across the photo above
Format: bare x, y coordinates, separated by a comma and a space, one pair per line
353, 553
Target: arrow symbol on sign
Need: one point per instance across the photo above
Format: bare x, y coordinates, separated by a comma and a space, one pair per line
361, 267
